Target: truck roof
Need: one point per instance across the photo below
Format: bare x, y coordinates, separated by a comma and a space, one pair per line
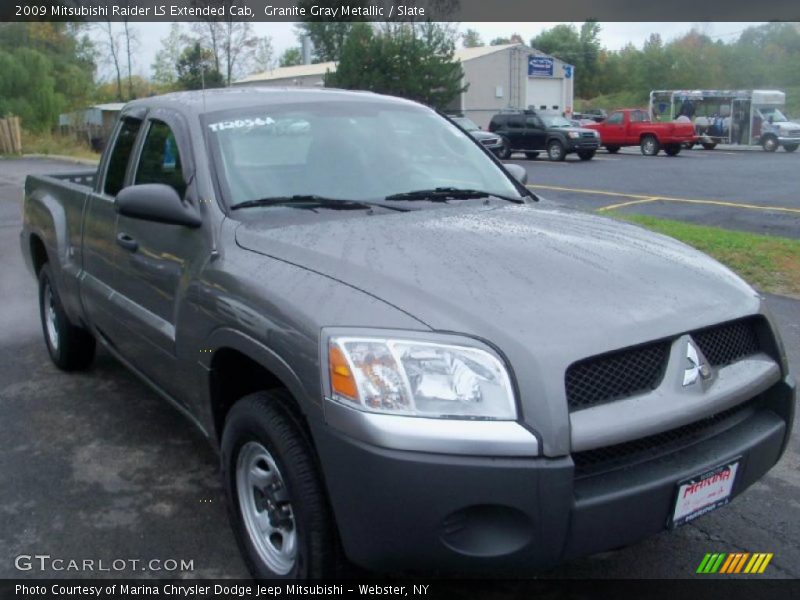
205, 101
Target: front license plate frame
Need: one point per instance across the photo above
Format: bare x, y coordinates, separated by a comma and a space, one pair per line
704, 493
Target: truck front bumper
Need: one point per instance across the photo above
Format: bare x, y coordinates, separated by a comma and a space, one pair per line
400, 510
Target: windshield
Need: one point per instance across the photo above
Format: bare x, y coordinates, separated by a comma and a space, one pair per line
774, 112
466, 124
553, 121
353, 150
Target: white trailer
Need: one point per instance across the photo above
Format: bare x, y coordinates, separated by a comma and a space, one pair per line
737, 117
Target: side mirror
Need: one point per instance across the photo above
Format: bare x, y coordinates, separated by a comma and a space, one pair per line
770, 119
517, 172
156, 202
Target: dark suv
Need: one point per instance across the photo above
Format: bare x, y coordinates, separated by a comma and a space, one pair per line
528, 132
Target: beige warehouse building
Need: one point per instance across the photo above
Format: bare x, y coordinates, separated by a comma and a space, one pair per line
510, 76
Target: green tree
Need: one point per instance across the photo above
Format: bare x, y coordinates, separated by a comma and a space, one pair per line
471, 39
164, 68
414, 61
291, 57
196, 69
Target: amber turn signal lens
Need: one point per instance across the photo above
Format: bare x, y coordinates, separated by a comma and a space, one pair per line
342, 380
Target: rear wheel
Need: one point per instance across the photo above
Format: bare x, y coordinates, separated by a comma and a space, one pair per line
672, 149
71, 348
612, 149
531, 155
790, 147
709, 145
277, 504
586, 154
555, 151
650, 145
770, 143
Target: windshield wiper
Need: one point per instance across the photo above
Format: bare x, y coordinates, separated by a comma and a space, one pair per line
443, 194
312, 200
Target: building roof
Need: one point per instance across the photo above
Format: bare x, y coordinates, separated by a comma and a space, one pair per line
462, 55
290, 72
110, 107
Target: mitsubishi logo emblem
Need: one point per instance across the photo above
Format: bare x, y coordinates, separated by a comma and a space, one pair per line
697, 365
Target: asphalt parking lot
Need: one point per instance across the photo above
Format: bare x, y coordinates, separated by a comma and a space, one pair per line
747, 190
95, 466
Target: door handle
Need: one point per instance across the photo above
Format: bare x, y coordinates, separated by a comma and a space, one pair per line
127, 242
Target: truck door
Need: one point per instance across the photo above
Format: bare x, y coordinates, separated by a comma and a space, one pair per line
156, 260
613, 130
535, 134
516, 131
98, 283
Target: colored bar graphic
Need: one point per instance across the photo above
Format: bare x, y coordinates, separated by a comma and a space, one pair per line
734, 563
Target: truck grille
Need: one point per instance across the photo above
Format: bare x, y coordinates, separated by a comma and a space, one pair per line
587, 134
660, 444
636, 370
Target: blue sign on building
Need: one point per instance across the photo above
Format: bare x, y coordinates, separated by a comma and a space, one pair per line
540, 66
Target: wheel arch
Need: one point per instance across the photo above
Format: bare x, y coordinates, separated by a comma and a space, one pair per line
38, 253
239, 365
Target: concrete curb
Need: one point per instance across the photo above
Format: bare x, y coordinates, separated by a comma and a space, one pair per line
74, 159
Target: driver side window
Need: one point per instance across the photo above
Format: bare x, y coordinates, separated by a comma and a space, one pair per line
615, 119
160, 161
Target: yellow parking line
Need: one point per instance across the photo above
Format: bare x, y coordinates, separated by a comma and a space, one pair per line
641, 199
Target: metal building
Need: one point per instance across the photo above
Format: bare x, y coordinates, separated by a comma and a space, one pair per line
511, 76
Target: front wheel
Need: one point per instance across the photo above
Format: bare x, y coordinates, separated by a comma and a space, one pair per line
612, 149
708, 145
71, 348
586, 154
672, 149
276, 501
505, 151
790, 147
555, 151
650, 145
770, 143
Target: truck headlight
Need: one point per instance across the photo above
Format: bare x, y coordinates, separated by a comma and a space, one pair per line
574, 134
419, 378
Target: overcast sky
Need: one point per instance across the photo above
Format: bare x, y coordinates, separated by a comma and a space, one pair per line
613, 35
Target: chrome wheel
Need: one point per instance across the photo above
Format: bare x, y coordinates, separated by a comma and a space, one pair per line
50, 318
266, 509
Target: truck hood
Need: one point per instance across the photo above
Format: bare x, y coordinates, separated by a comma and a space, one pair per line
545, 286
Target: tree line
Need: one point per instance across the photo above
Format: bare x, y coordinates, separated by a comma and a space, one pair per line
50, 68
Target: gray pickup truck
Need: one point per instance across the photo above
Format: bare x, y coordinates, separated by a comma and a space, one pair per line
404, 359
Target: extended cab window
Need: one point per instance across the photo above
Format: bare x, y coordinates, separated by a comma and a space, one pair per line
118, 162
615, 118
515, 123
160, 161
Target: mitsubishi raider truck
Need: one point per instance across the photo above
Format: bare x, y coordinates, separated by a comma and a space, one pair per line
404, 360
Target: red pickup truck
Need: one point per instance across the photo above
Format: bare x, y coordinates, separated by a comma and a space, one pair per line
633, 127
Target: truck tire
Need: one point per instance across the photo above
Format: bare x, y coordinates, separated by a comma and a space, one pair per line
71, 348
708, 145
672, 149
770, 143
586, 154
276, 500
555, 151
531, 155
790, 147
612, 149
650, 145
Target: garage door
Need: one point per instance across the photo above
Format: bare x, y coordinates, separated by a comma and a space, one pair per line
545, 94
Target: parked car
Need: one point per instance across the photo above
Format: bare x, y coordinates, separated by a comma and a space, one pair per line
597, 115
528, 132
633, 127
403, 359
491, 141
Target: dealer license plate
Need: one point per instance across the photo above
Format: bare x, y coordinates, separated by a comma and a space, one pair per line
704, 493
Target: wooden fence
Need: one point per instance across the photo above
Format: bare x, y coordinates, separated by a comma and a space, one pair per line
10, 136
